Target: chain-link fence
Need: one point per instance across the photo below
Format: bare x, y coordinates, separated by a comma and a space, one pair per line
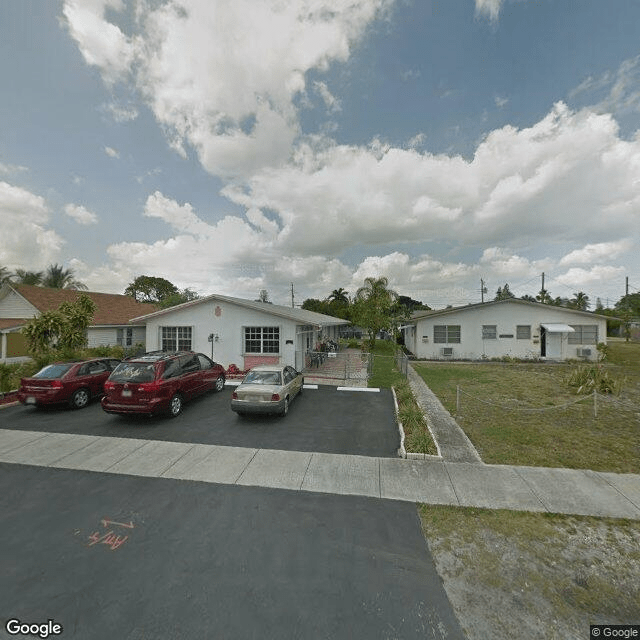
593, 399
346, 367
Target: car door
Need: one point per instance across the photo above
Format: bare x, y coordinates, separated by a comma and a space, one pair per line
209, 372
291, 381
97, 373
190, 376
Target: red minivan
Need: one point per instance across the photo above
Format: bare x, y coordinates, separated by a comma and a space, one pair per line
160, 382
72, 382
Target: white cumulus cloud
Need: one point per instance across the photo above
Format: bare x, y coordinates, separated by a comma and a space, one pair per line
81, 214
26, 241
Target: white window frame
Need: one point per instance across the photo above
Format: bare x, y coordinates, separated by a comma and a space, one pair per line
489, 331
179, 338
578, 335
259, 335
450, 331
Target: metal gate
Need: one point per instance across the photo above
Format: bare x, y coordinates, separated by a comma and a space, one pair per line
350, 366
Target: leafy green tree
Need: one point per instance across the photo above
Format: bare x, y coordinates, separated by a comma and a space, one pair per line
412, 305
319, 306
5, 275
373, 307
57, 277
544, 297
64, 328
186, 295
630, 302
28, 277
151, 289
504, 293
528, 298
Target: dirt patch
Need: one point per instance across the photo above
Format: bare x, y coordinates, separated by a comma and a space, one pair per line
538, 576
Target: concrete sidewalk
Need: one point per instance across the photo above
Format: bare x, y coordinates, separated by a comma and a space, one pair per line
567, 491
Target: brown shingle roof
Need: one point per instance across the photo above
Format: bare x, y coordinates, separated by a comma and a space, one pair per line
111, 308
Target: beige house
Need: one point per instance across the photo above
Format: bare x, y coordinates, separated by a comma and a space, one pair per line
19, 303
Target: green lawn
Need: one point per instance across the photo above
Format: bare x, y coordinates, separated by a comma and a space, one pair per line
494, 396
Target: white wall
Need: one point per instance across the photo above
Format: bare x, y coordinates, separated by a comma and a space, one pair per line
15, 306
226, 320
506, 316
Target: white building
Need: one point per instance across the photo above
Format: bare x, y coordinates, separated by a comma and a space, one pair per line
514, 328
241, 332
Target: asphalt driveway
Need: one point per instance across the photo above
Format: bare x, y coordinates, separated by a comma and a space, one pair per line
137, 558
322, 420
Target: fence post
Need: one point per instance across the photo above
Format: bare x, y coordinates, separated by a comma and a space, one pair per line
457, 400
595, 403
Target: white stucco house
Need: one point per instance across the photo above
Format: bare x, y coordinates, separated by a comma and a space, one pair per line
241, 332
514, 328
19, 303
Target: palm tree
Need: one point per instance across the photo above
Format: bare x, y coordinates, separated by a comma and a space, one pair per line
22, 276
580, 301
58, 277
339, 295
376, 288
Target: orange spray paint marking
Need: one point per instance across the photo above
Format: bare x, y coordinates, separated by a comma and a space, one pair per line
110, 523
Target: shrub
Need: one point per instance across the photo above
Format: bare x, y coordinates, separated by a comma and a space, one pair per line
589, 378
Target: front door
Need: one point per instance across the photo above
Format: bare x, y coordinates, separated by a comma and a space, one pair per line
543, 342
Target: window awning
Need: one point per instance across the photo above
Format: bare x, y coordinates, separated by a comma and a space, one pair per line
557, 328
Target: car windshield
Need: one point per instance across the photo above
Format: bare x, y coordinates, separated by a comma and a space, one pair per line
262, 377
133, 372
53, 371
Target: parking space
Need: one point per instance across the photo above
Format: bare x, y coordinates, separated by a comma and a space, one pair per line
321, 420
109, 556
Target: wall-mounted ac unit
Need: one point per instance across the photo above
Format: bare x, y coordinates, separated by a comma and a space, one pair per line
583, 353
447, 351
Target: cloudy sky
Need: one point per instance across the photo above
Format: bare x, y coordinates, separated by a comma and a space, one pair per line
237, 146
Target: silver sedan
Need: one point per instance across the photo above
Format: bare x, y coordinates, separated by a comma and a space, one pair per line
267, 389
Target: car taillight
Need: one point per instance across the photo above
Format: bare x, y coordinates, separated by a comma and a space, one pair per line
275, 397
234, 395
149, 387
109, 386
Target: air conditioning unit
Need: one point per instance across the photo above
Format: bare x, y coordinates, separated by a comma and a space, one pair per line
583, 353
447, 351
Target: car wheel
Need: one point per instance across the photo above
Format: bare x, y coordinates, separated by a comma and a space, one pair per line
219, 383
175, 405
80, 398
285, 408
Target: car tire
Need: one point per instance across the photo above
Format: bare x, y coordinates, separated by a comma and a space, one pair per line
175, 405
219, 385
80, 398
285, 408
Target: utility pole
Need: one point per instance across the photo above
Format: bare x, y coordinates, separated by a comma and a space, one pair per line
483, 289
626, 286
292, 295
543, 281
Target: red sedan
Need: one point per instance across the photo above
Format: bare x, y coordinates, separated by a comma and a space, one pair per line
74, 383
